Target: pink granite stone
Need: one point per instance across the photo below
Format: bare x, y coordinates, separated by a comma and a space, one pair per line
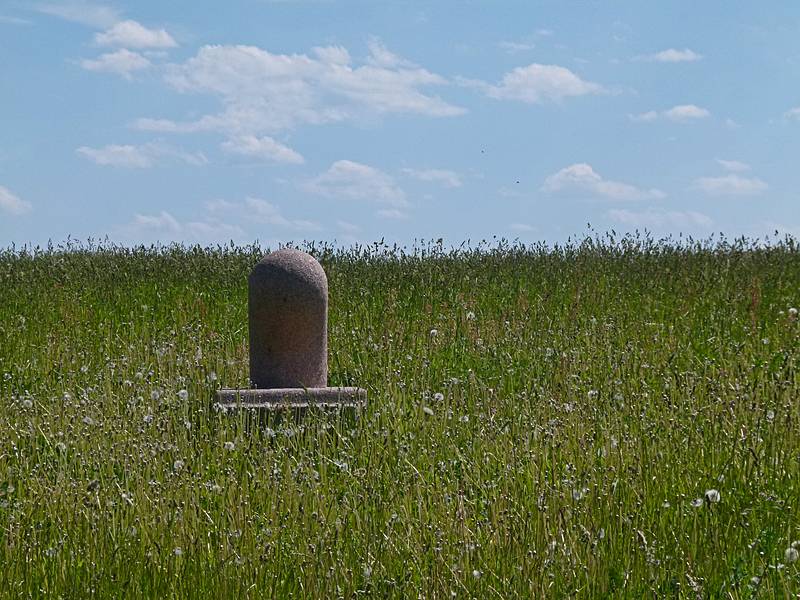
288, 313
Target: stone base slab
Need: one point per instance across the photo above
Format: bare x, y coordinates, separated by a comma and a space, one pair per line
293, 399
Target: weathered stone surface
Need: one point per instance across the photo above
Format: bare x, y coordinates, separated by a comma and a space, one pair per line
288, 313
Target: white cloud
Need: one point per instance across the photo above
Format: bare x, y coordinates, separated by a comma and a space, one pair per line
522, 228
122, 62
131, 34
116, 155
515, 47
221, 221
5, 19
731, 185
580, 177
733, 166
392, 213
672, 56
536, 83
78, 11
660, 219
11, 203
681, 113
448, 179
347, 227
164, 227
356, 181
686, 112
257, 210
792, 113
262, 92
139, 157
262, 148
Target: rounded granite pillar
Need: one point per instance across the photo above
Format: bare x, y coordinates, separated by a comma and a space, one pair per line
288, 313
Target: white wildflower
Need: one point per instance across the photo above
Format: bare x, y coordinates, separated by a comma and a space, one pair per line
791, 555
697, 503
476, 574
27, 403
792, 314
148, 419
178, 465
183, 395
470, 316
178, 552
229, 446
438, 396
427, 410
434, 333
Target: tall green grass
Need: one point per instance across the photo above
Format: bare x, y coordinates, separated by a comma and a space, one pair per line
542, 422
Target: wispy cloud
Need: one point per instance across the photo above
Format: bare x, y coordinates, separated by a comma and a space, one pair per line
792, 113
7, 20
581, 177
220, 221
672, 55
449, 179
734, 166
78, 11
660, 219
263, 92
731, 185
13, 204
122, 62
681, 113
515, 47
139, 157
346, 179
258, 211
262, 148
536, 83
522, 228
131, 34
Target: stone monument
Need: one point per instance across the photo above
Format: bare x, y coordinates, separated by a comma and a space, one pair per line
288, 322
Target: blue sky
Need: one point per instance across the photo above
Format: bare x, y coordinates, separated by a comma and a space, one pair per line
355, 121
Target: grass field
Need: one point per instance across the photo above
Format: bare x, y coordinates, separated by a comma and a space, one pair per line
613, 418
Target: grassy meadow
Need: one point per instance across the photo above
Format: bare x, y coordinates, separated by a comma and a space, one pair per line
605, 419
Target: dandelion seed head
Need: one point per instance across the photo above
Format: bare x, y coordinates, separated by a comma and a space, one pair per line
712, 496
229, 446
178, 465
697, 503
476, 574
434, 333
183, 395
148, 419
791, 555
438, 396
178, 551
427, 410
